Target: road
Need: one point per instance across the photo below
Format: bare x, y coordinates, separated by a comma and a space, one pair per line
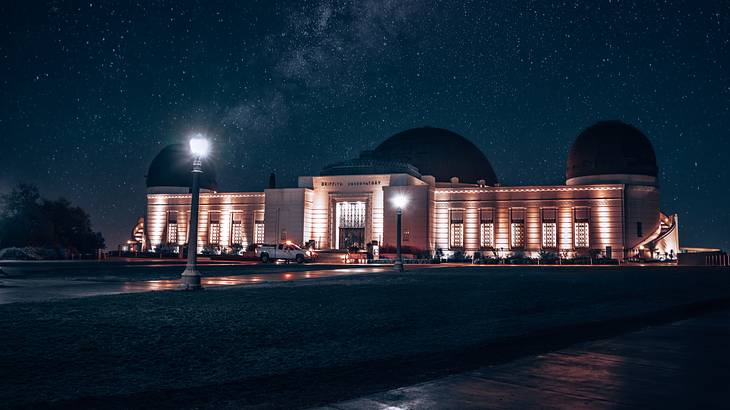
53, 281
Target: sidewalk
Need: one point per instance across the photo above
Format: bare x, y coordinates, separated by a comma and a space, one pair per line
683, 365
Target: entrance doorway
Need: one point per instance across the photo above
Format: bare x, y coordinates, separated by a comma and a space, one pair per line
350, 237
350, 220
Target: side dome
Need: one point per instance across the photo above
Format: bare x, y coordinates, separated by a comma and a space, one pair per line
438, 152
172, 168
611, 148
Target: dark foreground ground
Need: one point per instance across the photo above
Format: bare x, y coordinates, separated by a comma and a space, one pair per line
681, 365
309, 343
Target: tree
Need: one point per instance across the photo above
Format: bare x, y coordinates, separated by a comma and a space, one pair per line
70, 227
28, 220
20, 217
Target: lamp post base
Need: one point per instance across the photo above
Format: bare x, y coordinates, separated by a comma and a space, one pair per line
398, 266
190, 280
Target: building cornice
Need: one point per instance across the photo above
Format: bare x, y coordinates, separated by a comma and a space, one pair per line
470, 190
215, 195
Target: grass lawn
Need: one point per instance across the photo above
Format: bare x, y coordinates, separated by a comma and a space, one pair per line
311, 342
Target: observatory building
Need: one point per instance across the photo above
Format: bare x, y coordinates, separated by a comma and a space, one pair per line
609, 204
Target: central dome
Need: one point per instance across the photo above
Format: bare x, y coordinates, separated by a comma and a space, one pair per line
438, 152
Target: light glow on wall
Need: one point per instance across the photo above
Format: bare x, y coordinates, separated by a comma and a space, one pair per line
471, 229
602, 218
241, 216
565, 228
441, 226
225, 205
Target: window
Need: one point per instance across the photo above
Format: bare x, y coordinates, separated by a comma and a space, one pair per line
351, 214
549, 228
237, 229
214, 228
581, 227
172, 227
406, 235
486, 227
517, 227
456, 228
258, 235
639, 230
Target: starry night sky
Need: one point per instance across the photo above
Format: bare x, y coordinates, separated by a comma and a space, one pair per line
92, 91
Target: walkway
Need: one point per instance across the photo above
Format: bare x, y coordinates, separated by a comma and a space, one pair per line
679, 366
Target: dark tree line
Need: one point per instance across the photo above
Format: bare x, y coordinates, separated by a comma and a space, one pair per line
26, 219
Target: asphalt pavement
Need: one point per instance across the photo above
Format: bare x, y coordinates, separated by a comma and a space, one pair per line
38, 287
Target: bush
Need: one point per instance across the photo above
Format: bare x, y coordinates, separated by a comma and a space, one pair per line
459, 256
549, 258
209, 250
29, 253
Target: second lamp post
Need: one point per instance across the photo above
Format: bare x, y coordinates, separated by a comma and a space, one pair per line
400, 201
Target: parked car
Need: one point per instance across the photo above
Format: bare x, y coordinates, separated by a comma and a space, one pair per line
285, 251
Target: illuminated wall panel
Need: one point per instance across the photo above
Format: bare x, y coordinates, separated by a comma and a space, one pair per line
565, 228
308, 226
225, 204
502, 227
441, 225
533, 227
471, 228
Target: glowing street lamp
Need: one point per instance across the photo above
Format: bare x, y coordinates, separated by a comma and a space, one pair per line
191, 276
199, 146
400, 201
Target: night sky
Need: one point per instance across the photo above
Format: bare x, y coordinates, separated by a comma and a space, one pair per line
92, 91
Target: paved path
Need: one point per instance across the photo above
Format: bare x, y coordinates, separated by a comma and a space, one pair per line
684, 365
35, 290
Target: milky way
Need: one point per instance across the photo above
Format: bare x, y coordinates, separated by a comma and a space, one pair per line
91, 93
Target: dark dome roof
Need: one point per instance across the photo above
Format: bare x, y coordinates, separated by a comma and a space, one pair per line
438, 152
172, 167
611, 147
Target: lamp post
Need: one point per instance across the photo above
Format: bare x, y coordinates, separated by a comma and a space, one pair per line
400, 202
191, 276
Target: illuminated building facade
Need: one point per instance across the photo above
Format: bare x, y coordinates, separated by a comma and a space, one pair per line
608, 206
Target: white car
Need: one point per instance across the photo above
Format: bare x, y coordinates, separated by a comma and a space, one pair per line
285, 251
